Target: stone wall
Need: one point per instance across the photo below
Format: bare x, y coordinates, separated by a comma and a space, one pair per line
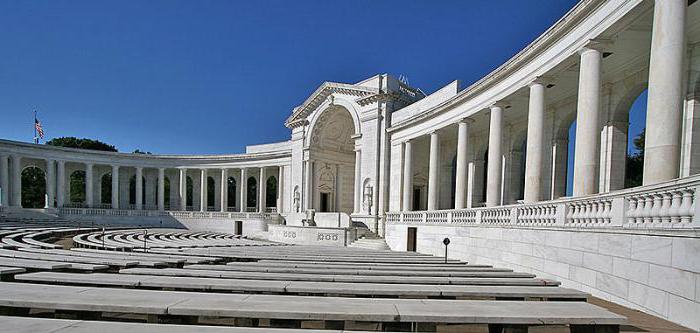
657, 272
311, 235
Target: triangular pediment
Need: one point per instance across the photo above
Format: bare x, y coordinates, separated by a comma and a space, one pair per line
300, 113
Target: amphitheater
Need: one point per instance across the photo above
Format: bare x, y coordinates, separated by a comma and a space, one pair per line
345, 226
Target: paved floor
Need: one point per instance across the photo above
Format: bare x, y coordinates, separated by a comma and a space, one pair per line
639, 321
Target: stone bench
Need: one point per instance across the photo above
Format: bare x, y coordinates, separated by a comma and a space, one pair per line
74, 256
350, 271
34, 264
408, 267
64, 258
345, 259
169, 258
193, 308
341, 278
45, 325
10, 271
304, 287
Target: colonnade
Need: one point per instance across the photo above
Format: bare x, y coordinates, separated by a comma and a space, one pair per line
56, 190
663, 127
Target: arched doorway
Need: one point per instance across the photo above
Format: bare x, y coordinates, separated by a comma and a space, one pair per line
231, 190
271, 192
634, 163
252, 193
189, 193
332, 162
33, 187
211, 193
106, 189
77, 187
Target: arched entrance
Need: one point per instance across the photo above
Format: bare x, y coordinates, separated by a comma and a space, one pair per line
231, 190
332, 162
271, 192
33, 187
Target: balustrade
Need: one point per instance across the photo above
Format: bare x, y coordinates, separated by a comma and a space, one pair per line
496, 216
662, 206
537, 215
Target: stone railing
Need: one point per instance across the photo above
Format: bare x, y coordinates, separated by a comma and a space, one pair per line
670, 205
269, 217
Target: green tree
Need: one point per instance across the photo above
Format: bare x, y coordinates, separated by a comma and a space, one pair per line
634, 169
73, 142
33, 187
139, 151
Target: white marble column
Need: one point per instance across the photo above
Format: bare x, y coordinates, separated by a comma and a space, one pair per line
60, 183
262, 191
560, 156
280, 191
161, 189
4, 181
50, 183
535, 144
308, 184
471, 182
183, 189
89, 185
434, 171
665, 96
16, 181
115, 187
358, 180
244, 190
203, 190
586, 156
139, 188
224, 190
407, 176
495, 158
461, 171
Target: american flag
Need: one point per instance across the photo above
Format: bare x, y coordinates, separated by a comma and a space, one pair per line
39, 129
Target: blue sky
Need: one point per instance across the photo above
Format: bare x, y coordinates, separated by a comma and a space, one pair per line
212, 76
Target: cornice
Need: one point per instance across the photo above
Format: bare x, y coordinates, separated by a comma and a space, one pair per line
31, 150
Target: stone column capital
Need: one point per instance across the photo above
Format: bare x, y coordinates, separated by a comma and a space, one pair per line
500, 104
541, 81
598, 44
466, 121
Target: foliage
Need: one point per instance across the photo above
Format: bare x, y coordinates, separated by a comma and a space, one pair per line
106, 189
635, 162
77, 186
33, 187
73, 142
138, 151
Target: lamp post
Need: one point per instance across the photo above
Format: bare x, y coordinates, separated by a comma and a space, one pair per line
446, 241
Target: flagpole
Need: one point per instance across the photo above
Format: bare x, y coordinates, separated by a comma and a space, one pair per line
36, 138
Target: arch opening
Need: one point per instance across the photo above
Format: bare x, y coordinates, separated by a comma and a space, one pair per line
271, 192
211, 193
332, 157
77, 187
231, 190
252, 193
33, 187
106, 189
